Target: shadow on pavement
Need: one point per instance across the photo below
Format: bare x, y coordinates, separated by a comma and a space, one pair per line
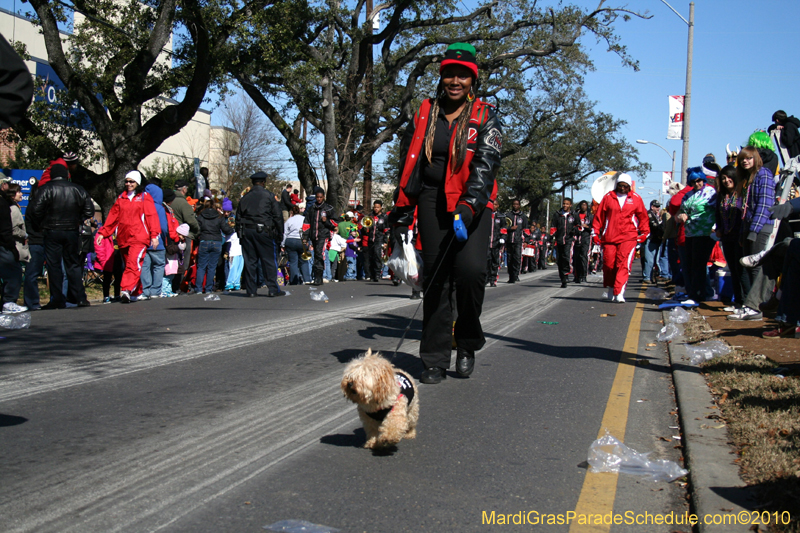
11, 420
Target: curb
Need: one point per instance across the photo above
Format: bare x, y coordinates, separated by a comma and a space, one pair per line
717, 491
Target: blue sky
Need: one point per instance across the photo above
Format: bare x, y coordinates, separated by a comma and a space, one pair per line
745, 68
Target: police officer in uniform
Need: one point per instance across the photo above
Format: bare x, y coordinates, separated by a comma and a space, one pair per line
259, 223
499, 233
376, 239
519, 222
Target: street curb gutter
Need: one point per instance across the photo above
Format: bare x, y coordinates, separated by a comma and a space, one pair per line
717, 490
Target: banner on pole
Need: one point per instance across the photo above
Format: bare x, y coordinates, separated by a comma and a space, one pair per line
675, 130
666, 181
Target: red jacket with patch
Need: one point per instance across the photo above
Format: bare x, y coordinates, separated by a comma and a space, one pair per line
135, 220
614, 225
474, 183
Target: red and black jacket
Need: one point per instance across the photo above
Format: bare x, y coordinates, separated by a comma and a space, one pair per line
473, 184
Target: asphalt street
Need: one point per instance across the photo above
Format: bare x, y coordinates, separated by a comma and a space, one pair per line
186, 415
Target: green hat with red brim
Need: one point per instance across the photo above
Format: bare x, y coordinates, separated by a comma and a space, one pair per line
460, 54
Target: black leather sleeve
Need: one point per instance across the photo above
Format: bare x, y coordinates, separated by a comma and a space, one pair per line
88, 206
277, 218
403, 216
485, 164
405, 144
16, 85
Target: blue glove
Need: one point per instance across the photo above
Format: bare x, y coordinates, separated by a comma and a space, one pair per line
462, 218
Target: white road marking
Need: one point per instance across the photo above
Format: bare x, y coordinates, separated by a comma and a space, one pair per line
150, 484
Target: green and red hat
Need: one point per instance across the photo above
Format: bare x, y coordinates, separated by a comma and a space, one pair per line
460, 54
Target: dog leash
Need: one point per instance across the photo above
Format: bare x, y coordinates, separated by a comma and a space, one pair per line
436, 271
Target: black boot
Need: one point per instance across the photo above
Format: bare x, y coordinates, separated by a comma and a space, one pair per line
465, 362
433, 375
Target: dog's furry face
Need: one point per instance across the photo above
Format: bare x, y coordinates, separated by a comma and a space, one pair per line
370, 380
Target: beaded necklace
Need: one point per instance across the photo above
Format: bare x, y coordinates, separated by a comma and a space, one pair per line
729, 203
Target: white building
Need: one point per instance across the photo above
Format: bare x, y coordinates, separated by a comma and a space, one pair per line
212, 145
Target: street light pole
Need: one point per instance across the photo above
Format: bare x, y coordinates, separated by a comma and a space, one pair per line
687, 97
642, 141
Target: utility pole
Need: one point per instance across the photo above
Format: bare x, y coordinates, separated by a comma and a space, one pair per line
687, 99
367, 201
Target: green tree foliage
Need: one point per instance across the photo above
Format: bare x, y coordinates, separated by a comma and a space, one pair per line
558, 141
357, 107
60, 123
139, 70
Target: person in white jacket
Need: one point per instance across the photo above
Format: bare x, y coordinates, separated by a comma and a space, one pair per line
235, 264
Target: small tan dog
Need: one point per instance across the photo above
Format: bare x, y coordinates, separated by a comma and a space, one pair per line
387, 399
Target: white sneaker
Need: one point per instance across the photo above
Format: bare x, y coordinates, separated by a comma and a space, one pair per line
10, 308
746, 314
754, 260
619, 298
731, 309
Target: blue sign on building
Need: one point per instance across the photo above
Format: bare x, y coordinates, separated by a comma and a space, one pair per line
54, 89
26, 179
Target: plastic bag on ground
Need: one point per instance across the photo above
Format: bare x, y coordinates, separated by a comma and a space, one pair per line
608, 454
698, 354
319, 296
716, 346
667, 333
654, 293
706, 350
16, 321
406, 263
211, 298
679, 315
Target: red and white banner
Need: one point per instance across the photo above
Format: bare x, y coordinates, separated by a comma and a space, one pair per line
675, 130
666, 181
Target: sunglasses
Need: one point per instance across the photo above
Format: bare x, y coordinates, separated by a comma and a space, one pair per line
130, 181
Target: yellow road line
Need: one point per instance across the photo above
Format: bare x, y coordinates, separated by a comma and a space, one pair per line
599, 490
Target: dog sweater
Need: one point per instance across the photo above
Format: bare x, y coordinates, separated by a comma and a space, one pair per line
406, 389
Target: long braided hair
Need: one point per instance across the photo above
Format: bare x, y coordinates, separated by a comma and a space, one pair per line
459, 151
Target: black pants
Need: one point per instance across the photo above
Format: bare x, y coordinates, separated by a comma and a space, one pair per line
361, 263
64, 246
461, 271
375, 260
259, 248
514, 252
319, 251
733, 251
495, 253
698, 250
750, 248
580, 259
543, 257
563, 251
116, 273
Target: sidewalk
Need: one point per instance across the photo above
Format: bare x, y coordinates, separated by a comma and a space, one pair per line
740, 420
747, 336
